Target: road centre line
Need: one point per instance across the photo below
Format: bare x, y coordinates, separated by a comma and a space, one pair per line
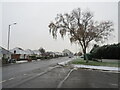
24, 74
49, 69
6, 80
3, 81
114, 84
41, 73
11, 79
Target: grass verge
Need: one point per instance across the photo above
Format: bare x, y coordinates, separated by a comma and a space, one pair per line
94, 63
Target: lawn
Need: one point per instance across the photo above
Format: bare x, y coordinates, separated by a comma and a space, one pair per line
94, 63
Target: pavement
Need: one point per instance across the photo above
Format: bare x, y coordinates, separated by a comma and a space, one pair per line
86, 78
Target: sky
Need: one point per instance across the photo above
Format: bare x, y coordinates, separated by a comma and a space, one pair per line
33, 18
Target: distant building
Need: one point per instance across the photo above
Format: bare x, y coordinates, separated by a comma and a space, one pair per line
59, 53
50, 54
67, 52
37, 53
29, 52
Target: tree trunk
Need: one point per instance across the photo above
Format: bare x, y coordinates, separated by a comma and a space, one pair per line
84, 50
86, 58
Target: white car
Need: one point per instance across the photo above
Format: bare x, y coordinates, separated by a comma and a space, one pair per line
81, 56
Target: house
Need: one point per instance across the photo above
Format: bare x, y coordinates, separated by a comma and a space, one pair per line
21, 54
67, 52
58, 53
18, 53
29, 52
50, 54
5, 53
37, 53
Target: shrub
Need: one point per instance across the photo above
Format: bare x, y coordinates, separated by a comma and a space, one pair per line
106, 52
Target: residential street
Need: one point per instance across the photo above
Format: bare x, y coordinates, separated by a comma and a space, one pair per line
47, 74
59, 45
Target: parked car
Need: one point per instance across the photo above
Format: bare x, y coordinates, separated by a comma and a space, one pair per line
11, 61
81, 56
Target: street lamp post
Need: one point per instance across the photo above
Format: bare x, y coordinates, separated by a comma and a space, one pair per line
9, 35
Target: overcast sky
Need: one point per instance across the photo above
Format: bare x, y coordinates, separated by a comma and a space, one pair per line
32, 32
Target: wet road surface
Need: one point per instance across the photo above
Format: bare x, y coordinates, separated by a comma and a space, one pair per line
45, 74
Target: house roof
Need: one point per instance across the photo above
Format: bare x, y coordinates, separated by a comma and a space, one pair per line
18, 50
66, 51
22, 51
36, 52
4, 51
28, 51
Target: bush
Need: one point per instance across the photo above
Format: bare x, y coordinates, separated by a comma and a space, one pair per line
33, 57
107, 52
4, 61
88, 55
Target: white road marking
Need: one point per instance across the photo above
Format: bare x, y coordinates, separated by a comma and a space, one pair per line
11, 79
25, 74
6, 80
41, 73
3, 81
114, 84
49, 69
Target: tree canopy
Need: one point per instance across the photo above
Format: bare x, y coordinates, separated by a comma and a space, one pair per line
42, 50
80, 27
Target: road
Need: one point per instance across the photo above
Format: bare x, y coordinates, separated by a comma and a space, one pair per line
44, 74
30, 67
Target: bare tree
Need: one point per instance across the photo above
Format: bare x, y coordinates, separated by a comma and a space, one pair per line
80, 27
